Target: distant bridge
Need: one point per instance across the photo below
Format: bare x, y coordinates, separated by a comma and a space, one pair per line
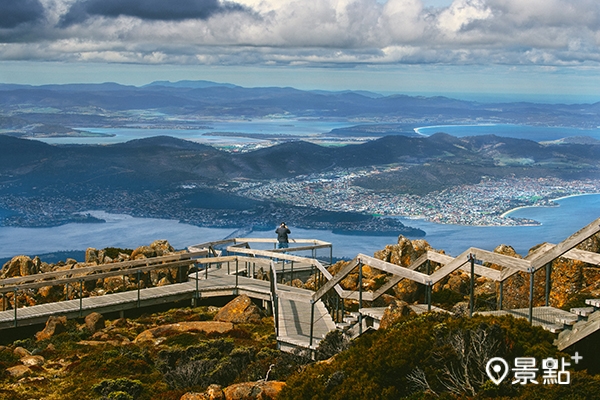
303, 317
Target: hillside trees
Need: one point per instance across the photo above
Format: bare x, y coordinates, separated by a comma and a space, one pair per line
431, 355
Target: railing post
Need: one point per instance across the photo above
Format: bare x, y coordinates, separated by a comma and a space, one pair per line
501, 295
67, 291
272, 278
292, 272
429, 288
236, 272
139, 301
531, 282
206, 271
196, 280
472, 294
330, 255
359, 298
548, 282
81, 297
16, 306
312, 318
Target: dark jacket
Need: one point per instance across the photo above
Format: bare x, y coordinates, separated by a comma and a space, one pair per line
282, 234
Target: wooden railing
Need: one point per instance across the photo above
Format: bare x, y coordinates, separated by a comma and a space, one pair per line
81, 275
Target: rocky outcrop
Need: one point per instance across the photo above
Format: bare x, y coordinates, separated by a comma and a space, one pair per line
19, 266
405, 253
240, 310
30, 361
54, 326
254, 390
194, 326
25, 266
143, 252
214, 392
21, 352
393, 313
94, 256
19, 371
156, 249
95, 322
162, 247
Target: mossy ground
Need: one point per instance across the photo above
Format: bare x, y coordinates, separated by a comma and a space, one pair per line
72, 368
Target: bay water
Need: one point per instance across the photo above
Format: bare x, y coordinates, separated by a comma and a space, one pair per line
126, 231
557, 223
271, 127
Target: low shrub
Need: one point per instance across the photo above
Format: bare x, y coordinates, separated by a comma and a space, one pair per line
119, 389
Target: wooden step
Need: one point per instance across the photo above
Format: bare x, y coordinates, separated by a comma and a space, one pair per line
583, 311
593, 302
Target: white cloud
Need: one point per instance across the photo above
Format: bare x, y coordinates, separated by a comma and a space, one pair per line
324, 32
462, 13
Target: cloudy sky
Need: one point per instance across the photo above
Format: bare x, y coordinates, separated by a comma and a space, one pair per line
547, 47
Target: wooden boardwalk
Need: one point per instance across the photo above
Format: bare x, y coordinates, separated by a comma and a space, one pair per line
39, 314
549, 318
230, 267
222, 276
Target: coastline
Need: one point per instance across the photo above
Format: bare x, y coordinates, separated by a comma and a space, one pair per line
506, 213
417, 130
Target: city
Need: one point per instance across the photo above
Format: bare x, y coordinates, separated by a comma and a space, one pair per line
483, 204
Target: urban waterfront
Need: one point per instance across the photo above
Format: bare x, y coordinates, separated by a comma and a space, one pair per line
557, 223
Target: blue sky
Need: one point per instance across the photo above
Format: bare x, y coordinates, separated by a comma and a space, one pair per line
547, 48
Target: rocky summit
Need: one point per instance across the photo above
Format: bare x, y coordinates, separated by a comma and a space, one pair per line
230, 352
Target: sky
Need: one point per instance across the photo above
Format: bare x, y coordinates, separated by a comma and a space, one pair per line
547, 48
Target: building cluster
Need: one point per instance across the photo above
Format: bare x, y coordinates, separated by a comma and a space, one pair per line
486, 203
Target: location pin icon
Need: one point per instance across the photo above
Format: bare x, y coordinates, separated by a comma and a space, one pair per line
497, 369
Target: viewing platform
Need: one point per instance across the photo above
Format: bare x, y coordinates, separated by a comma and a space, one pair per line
302, 315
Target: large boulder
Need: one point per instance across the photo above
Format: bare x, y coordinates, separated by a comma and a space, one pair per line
54, 326
19, 371
393, 313
95, 322
405, 253
19, 266
94, 256
162, 247
31, 361
156, 249
254, 390
115, 283
163, 276
181, 327
240, 310
214, 392
143, 252
21, 352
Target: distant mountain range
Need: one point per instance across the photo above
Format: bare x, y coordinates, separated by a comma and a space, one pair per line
103, 104
168, 177
163, 162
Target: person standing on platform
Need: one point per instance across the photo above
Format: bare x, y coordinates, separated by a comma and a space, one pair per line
282, 236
